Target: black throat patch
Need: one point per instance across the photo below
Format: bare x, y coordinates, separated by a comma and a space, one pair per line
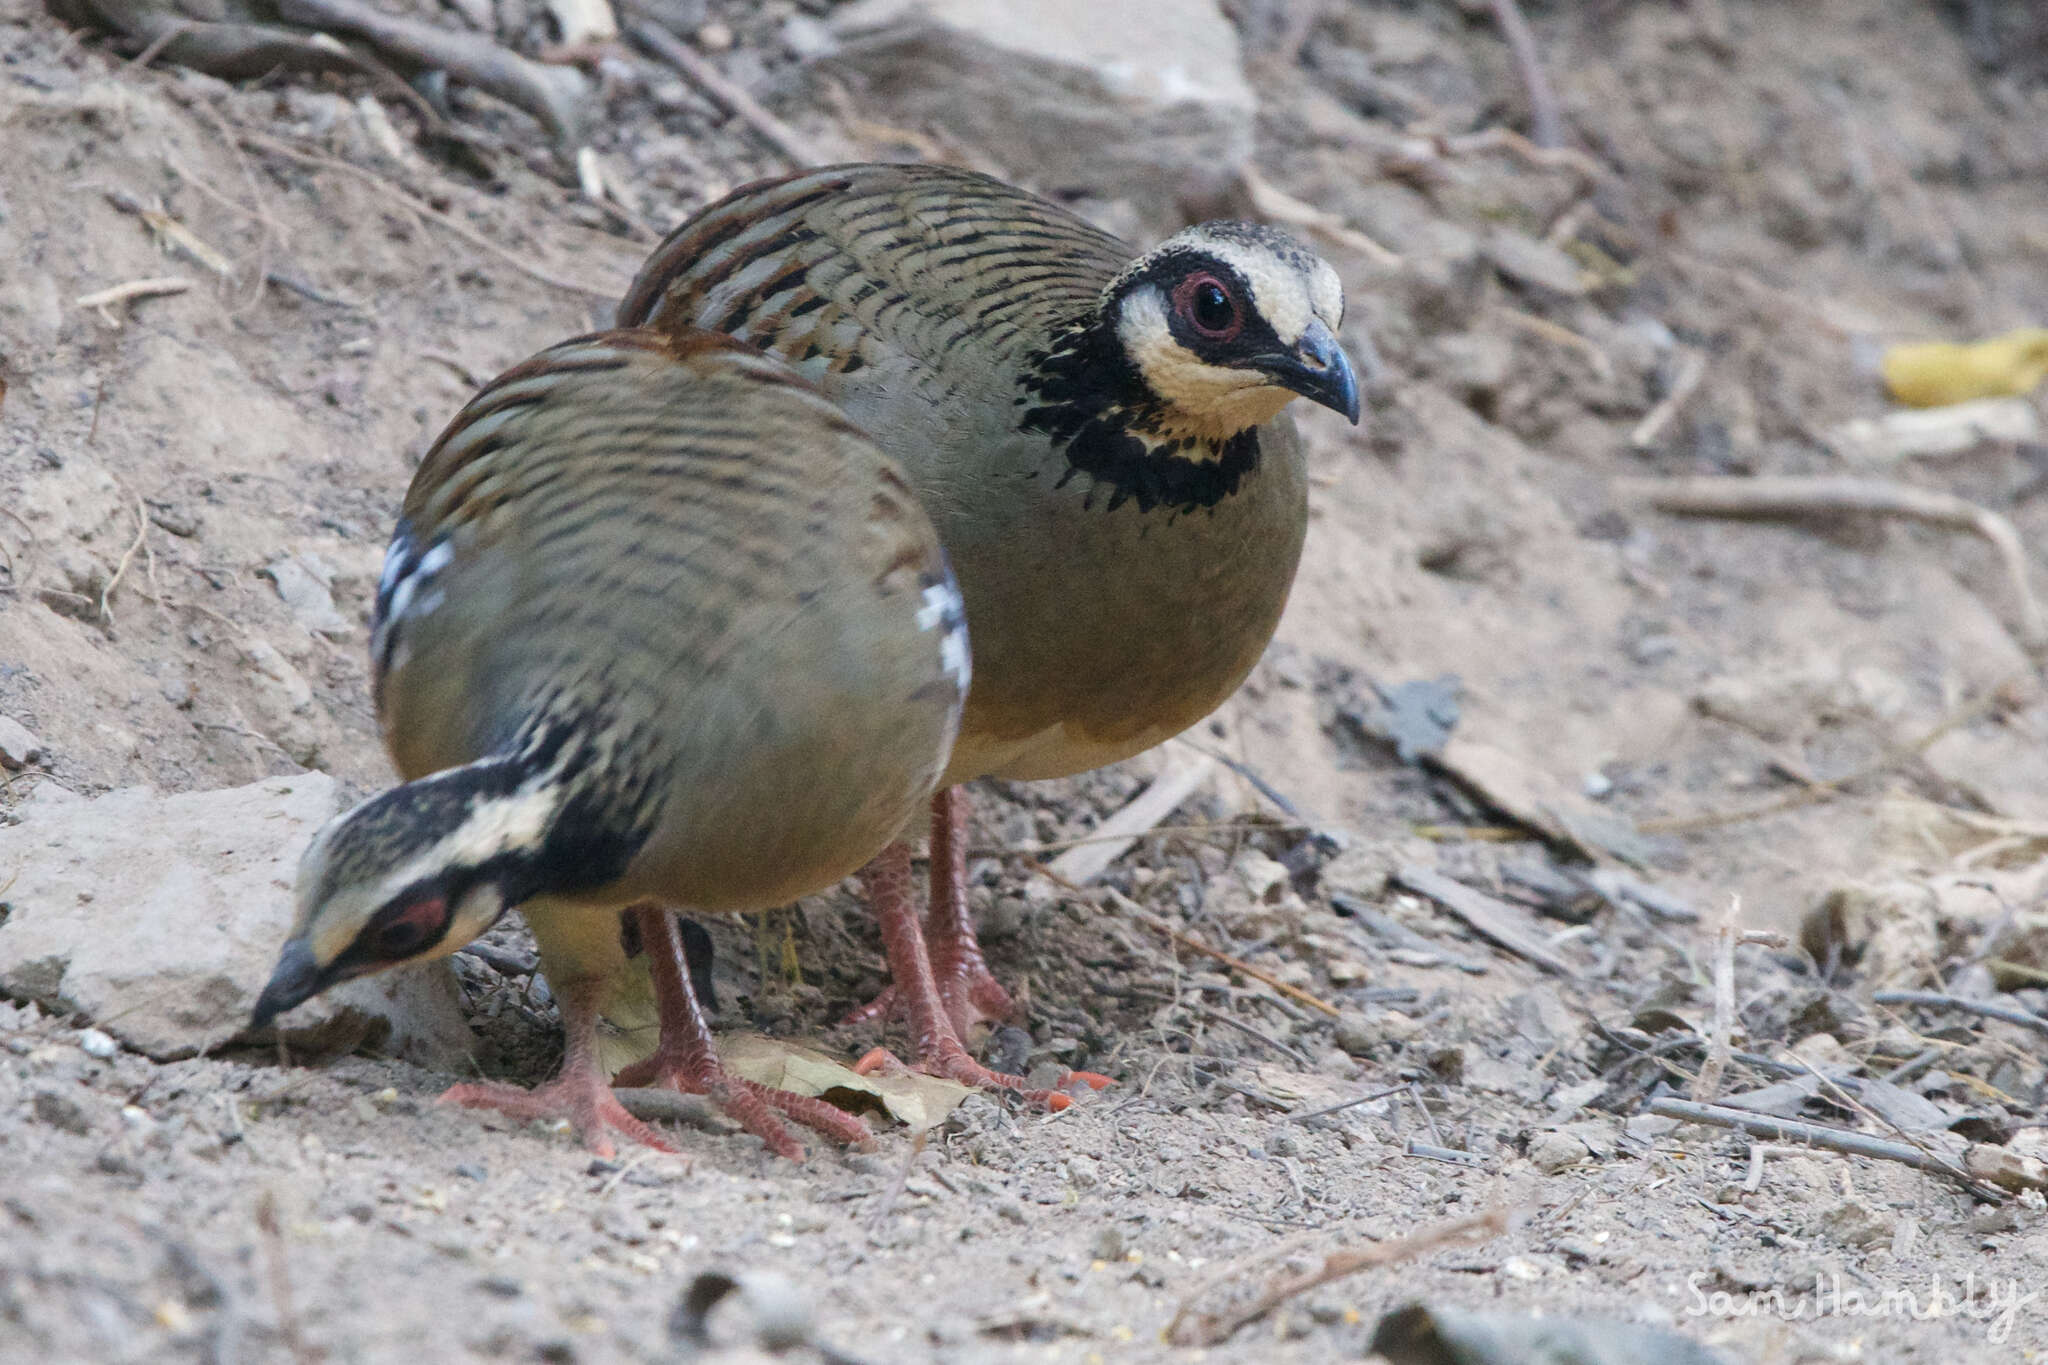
1090, 399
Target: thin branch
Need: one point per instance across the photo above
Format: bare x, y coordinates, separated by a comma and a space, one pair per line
525, 266
1691, 371
1195, 1326
1722, 1044
1821, 1135
1546, 124
1080, 866
1989, 1009
1493, 919
1795, 496
1159, 926
724, 92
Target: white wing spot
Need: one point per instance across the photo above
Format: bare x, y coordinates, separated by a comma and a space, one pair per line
943, 607
406, 590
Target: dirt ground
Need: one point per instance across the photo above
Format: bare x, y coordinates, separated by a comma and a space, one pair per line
1832, 712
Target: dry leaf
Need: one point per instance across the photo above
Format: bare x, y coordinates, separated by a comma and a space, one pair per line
909, 1097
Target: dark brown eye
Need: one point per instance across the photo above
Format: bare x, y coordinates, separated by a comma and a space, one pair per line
1207, 305
404, 930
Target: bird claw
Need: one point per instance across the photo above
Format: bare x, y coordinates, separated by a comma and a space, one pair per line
748, 1102
968, 990
955, 1065
586, 1102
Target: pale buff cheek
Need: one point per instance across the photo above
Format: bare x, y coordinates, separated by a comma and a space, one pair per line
1205, 401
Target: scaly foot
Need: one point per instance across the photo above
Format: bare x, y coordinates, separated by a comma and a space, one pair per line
685, 1059
580, 1097
939, 1051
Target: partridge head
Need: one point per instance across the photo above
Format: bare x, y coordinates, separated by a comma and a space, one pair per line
658, 626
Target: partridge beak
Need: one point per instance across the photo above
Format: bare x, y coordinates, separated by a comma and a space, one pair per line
297, 978
1318, 370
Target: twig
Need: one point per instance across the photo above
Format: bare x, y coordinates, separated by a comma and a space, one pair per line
1448, 1155
1219, 828
626, 1167
127, 557
554, 96
1820, 1135
260, 142
1690, 372
1989, 1009
1795, 496
656, 1105
1398, 935
1080, 866
1602, 367
170, 232
102, 299
897, 1182
1342, 1105
1491, 918
1244, 770
1217, 1016
1708, 1085
1824, 790
1558, 158
1546, 125
1157, 925
280, 1280
1421, 1103
1194, 1327
1276, 204
724, 92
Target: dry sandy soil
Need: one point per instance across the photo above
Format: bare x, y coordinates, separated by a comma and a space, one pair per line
1790, 712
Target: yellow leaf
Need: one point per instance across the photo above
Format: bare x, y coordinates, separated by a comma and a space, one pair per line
1935, 373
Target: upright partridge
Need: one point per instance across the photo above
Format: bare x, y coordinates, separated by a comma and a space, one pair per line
658, 626
1097, 434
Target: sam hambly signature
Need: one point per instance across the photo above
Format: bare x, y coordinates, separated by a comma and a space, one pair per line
1995, 1302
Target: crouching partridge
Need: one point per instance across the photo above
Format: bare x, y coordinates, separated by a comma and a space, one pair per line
658, 627
1097, 434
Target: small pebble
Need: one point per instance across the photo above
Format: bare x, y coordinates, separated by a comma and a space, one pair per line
472, 1172
715, 36
1552, 1151
61, 1111
93, 1043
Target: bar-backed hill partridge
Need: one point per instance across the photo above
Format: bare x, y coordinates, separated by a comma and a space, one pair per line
658, 627
1097, 434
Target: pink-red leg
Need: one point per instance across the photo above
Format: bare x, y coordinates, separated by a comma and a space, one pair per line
886, 881
579, 1094
685, 1060
970, 991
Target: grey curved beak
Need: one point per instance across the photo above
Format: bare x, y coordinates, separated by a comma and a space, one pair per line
297, 978
1319, 371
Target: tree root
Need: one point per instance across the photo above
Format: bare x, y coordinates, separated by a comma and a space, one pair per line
261, 36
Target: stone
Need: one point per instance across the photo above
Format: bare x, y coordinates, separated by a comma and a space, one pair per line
1363, 1037
1072, 101
1890, 928
307, 590
1856, 1224
18, 748
1552, 1151
1476, 364
1535, 264
159, 919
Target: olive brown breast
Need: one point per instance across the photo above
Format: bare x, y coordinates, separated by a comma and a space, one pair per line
1096, 433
